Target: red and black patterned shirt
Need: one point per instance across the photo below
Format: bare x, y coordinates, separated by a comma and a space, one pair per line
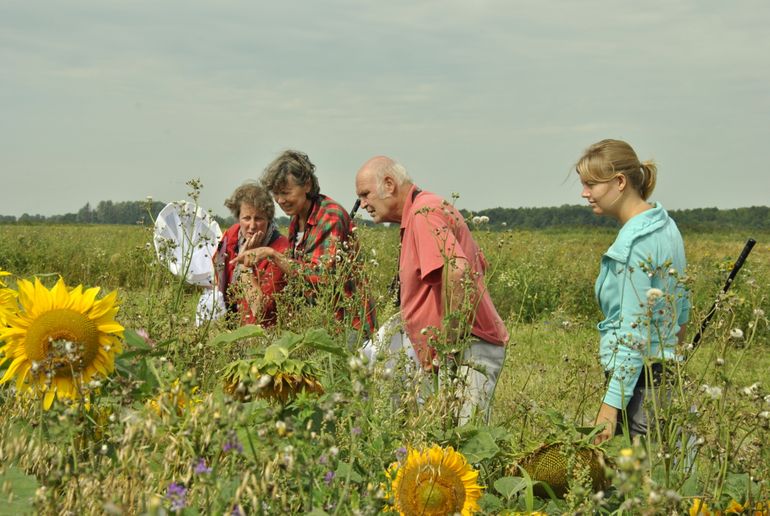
327, 240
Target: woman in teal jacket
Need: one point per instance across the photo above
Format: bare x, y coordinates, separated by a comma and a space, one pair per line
638, 289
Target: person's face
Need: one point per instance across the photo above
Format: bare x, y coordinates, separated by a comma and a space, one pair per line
251, 220
602, 197
291, 197
378, 204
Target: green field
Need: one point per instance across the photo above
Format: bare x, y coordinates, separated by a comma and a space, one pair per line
330, 452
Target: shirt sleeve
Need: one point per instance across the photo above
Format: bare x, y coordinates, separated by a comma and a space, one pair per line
435, 241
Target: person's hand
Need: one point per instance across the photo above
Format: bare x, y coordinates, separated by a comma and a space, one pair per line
251, 257
608, 416
254, 241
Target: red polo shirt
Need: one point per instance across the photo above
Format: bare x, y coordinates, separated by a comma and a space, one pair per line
433, 231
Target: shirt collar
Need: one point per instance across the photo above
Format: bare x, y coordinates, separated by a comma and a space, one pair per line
638, 226
406, 214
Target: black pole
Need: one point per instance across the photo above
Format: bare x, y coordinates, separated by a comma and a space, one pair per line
355, 208
738, 264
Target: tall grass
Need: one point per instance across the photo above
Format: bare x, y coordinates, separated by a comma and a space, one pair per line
164, 419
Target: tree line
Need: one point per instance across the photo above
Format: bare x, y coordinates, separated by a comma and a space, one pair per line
565, 216
572, 216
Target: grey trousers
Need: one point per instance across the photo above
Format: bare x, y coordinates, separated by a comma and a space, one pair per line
479, 379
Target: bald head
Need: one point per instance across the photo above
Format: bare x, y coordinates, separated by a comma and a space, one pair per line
382, 185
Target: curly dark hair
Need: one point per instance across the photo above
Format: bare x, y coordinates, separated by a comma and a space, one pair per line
295, 163
253, 194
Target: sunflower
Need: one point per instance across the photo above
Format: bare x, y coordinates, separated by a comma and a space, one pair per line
7, 299
273, 376
175, 397
59, 339
435, 481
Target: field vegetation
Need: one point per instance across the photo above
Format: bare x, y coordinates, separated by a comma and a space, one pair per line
215, 420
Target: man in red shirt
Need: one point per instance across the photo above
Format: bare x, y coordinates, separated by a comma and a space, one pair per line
445, 306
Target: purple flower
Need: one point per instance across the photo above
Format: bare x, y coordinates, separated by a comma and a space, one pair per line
176, 494
236, 511
232, 443
356, 430
323, 459
401, 453
201, 468
328, 477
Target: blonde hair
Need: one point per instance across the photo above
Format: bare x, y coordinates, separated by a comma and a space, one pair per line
606, 159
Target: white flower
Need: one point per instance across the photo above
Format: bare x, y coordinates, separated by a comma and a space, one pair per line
476, 220
712, 392
764, 414
484, 219
264, 381
654, 294
758, 312
736, 334
751, 390
720, 361
355, 363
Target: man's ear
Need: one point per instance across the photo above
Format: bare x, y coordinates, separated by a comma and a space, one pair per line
389, 185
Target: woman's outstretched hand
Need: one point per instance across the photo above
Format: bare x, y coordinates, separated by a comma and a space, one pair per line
608, 416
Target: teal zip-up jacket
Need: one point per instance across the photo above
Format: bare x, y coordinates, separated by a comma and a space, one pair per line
642, 298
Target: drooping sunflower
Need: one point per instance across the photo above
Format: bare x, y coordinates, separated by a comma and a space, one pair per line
59, 339
434, 481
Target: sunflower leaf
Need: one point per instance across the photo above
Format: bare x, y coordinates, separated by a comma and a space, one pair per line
22, 486
480, 446
276, 354
319, 338
510, 486
248, 331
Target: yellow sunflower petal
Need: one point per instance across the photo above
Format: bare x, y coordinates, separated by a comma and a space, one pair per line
48, 399
59, 294
104, 305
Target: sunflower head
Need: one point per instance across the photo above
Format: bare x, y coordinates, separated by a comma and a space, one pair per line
557, 464
59, 339
273, 376
434, 481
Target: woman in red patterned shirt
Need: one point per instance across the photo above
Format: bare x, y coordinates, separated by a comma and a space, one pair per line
248, 287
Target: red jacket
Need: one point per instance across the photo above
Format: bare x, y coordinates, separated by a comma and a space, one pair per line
271, 278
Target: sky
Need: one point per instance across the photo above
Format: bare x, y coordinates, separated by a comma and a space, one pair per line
492, 99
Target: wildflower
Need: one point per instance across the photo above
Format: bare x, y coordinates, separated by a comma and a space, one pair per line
232, 443
714, 393
751, 390
699, 508
176, 494
434, 481
40, 331
758, 312
720, 361
401, 453
328, 477
201, 468
653, 295
736, 334
356, 430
